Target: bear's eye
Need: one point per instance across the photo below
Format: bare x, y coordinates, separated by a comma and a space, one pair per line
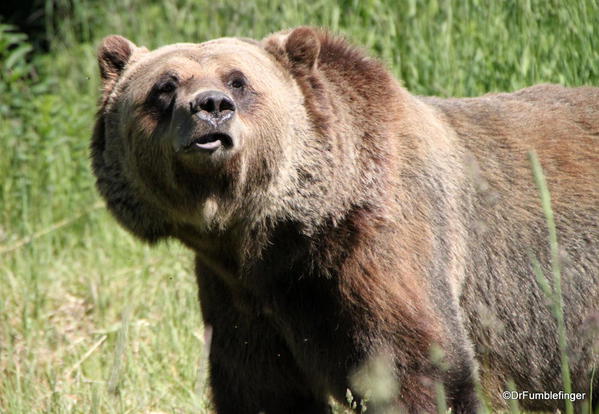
239, 87
162, 96
167, 87
237, 83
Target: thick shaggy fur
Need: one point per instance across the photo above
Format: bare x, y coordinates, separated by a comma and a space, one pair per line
351, 220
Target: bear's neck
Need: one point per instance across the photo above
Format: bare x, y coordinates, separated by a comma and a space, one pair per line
259, 259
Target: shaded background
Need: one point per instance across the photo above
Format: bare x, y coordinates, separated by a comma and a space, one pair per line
92, 320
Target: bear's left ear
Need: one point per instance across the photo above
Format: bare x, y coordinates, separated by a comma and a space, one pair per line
299, 49
113, 55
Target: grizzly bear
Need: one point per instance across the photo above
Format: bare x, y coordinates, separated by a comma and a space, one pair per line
339, 220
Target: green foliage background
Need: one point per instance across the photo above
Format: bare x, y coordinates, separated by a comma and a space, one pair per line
93, 321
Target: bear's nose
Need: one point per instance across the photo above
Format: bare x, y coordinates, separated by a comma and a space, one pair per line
212, 106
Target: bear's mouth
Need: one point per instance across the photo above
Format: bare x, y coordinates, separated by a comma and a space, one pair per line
209, 142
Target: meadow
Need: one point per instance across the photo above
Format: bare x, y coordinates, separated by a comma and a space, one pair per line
92, 320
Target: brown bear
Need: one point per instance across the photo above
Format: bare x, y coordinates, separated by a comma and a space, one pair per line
336, 218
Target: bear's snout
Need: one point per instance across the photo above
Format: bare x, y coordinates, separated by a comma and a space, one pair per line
213, 107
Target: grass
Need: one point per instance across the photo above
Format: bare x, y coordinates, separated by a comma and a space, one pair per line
93, 321
553, 291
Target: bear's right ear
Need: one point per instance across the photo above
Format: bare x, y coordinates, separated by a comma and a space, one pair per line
298, 49
302, 48
113, 54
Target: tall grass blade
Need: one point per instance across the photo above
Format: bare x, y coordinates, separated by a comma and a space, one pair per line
557, 300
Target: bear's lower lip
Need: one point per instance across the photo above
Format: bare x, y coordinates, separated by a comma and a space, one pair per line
212, 145
209, 142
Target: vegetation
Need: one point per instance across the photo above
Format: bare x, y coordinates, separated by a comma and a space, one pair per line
93, 321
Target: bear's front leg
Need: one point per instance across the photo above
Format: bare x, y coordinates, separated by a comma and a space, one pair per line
251, 368
251, 372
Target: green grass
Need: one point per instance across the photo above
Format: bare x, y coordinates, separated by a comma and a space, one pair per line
93, 321
552, 291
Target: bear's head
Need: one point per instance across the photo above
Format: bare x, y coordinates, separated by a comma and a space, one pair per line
217, 134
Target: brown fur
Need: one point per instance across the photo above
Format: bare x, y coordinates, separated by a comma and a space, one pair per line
349, 219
